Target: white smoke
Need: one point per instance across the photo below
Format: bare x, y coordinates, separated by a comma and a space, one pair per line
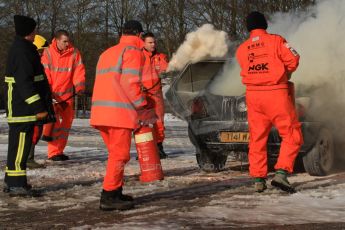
318, 35
205, 42
228, 83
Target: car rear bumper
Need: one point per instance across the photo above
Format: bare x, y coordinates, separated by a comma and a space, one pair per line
208, 133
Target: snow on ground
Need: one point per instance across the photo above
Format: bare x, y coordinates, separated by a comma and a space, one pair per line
186, 198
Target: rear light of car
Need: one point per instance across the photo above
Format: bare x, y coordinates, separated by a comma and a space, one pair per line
198, 108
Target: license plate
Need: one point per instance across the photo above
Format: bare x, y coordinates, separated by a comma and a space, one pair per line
242, 137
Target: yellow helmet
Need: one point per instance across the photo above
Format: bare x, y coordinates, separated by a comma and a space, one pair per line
40, 42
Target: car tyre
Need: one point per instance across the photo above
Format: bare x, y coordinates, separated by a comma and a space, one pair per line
209, 161
320, 160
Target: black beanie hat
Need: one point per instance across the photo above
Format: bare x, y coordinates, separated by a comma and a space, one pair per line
132, 27
24, 25
256, 20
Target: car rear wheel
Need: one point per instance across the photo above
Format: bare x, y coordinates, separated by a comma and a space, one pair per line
209, 161
320, 160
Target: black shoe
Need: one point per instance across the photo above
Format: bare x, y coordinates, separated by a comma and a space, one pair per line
113, 200
25, 191
7, 190
162, 154
60, 157
125, 197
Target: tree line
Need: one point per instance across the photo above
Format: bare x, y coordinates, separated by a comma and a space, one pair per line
95, 25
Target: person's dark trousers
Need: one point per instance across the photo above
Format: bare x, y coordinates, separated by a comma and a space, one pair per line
19, 145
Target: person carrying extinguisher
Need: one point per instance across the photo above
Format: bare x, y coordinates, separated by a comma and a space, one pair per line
267, 62
155, 64
66, 75
119, 107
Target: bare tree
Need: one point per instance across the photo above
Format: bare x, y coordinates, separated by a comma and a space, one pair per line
96, 24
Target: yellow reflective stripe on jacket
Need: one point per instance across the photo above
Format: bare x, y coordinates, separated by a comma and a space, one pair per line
9, 98
15, 172
21, 119
9, 79
36, 78
39, 77
20, 151
32, 99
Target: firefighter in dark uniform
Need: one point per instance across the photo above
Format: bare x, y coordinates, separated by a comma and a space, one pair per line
28, 101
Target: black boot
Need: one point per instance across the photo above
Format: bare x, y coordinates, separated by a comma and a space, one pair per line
125, 197
113, 200
60, 157
24, 191
7, 190
31, 163
162, 154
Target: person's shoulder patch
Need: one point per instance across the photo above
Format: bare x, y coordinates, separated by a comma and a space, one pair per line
293, 51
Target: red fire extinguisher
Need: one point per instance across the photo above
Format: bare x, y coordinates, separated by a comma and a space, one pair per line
150, 164
47, 132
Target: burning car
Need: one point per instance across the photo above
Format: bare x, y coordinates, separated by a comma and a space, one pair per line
217, 124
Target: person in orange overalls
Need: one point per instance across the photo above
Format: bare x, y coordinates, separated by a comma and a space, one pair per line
155, 64
66, 75
267, 62
118, 107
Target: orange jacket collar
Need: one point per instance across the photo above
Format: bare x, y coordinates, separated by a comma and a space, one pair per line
257, 32
148, 53
131, 40
69, 49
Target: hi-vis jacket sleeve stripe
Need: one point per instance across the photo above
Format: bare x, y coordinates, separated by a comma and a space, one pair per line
132, 63
78, 72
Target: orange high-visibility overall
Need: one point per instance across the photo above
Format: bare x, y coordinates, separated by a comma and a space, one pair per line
267, 61
155, 63
116, 97
66, 75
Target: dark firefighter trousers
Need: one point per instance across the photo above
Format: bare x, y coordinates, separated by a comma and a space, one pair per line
19, 145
